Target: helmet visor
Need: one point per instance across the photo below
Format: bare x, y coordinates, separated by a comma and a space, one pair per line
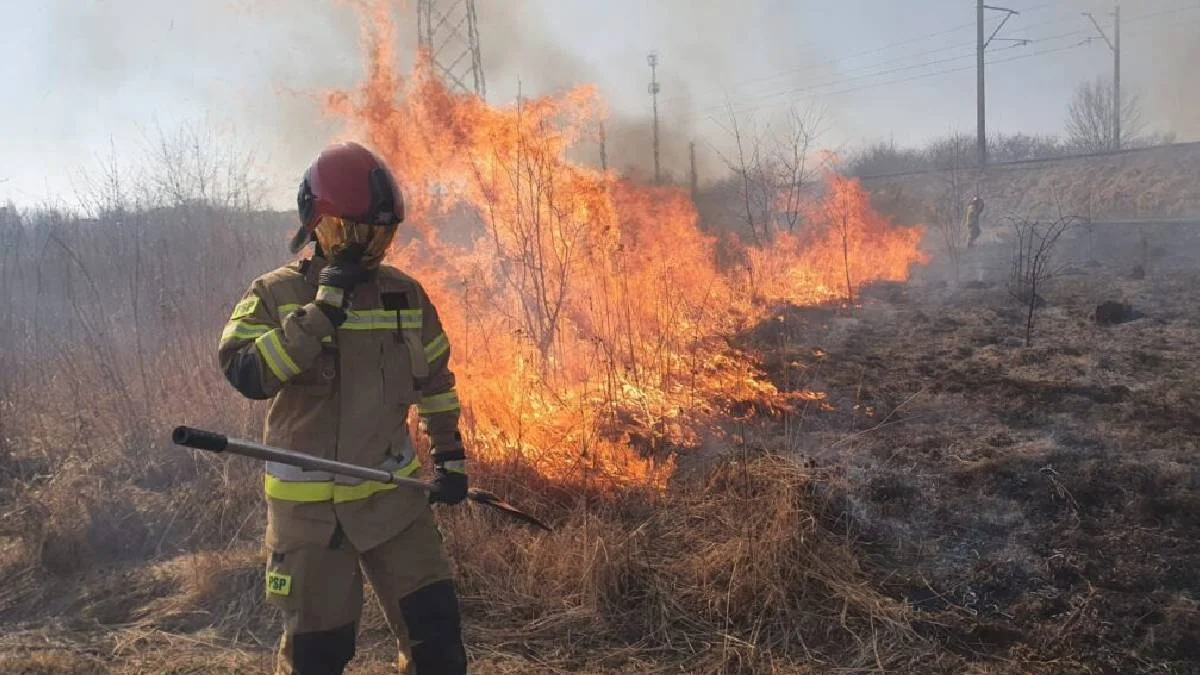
334, 234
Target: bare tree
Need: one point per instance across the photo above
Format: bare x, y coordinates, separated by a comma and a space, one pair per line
749, 165
1033, 262
1090, 118
197, 165
773, 169
792, 171
956, 153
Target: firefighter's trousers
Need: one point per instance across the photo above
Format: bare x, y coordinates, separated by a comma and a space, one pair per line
320, 591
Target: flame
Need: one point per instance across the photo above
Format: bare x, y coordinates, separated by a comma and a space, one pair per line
587, 314
847, 243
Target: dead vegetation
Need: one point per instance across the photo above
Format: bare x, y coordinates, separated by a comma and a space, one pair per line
955, 502
1149, 184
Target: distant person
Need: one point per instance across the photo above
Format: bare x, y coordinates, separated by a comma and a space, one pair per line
974, 209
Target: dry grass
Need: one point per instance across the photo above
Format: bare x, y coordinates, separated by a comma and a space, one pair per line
1157, 183
957, 504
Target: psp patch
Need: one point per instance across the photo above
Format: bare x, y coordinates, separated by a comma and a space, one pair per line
279, 583
244, 308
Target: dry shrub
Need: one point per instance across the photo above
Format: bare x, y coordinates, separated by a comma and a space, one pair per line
744, 572
213, 591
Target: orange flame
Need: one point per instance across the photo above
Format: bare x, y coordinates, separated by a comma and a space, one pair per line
846, 244
587, 314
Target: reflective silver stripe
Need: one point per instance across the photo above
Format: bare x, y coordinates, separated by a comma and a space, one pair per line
296, 474
390, 464
455, 465
331, 295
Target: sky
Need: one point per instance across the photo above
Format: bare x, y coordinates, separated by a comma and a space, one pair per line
88, 79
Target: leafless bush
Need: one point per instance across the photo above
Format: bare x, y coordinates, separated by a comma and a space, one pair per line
773, 168
111, 321
1034, 262
883, 158
951, 200
1090, 118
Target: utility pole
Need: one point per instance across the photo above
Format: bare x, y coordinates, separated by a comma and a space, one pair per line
652, 59
603, 148
980, 88
1117, 77
1115, 45
981, 84
695, 180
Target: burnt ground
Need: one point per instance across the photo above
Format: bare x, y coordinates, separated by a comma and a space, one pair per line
1038, 505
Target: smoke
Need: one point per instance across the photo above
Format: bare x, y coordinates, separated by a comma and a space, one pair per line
1173, 98
92, 72
705, 50
1159, 58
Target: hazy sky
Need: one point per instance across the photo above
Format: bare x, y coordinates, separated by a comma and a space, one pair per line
81, 76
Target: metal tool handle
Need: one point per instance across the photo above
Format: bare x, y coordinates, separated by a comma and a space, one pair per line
199, 439
214, 442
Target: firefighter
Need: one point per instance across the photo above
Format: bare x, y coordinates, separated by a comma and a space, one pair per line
974, 209
343, 345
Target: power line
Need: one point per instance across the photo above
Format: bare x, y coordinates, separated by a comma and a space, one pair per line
837, 80
919, 76
893, 66
876, 50
841, 80
799, 69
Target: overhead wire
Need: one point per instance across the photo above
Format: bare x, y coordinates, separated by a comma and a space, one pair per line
920, 76
889, 68
791, 93
851, 57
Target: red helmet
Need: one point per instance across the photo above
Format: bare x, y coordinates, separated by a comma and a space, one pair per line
350, 184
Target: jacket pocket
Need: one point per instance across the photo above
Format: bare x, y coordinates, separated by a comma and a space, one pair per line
399, 391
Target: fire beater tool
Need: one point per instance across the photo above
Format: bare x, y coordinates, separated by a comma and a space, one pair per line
214, 442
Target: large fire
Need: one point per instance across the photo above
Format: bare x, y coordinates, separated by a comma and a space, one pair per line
588, 315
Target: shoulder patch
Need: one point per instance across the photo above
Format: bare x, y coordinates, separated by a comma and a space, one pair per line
247, 307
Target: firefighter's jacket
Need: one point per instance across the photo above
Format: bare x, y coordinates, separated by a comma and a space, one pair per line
341, 394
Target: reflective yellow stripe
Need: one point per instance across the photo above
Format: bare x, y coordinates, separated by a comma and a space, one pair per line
323, 491
242, 330
438, 403
435, 349
382, 319
370, 319
296, 491
275, 356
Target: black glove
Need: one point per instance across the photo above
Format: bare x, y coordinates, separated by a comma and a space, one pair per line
336, 282
450, 475
449, 487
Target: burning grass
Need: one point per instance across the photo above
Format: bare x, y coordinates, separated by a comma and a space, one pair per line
597, 298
